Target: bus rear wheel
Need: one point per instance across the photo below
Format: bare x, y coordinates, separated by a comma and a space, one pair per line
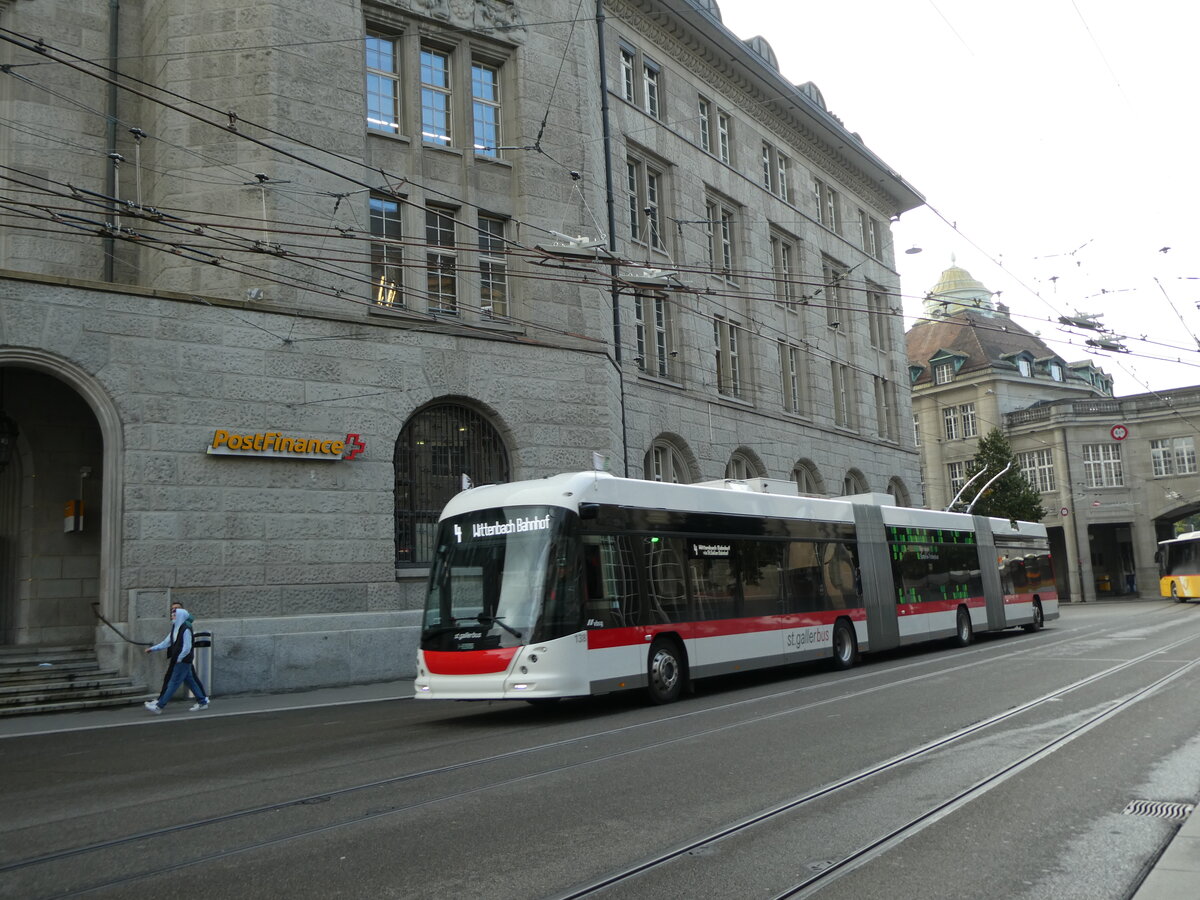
845, 647
666, 671
1038, 619
963, 633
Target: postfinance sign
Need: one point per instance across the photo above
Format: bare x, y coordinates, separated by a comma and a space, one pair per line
279, 445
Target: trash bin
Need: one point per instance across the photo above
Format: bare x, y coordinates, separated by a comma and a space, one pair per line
202, 658
1103, 584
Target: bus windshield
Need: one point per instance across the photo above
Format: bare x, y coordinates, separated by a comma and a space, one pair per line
492, 574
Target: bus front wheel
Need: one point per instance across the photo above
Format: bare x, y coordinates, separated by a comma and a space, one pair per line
1175, 592
1038, 619
665, 671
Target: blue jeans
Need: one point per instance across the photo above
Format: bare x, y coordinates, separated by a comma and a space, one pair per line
182, 673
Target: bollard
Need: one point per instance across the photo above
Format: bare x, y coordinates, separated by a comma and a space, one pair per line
202, 659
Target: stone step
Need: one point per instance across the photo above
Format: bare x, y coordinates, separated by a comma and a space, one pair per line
60, 679
74, 705
47, 672
87, 682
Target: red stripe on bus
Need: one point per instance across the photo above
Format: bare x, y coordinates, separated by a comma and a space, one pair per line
1029, 598
603, 638
469, 662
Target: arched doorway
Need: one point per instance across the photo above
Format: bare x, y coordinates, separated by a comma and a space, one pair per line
437, 447
56, 515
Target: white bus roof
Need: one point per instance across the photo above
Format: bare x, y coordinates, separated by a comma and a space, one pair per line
1188, 536
754, 497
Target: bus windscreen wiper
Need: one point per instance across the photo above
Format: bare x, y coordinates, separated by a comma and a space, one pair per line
485, 619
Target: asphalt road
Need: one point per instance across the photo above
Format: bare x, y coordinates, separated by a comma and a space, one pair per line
998, 770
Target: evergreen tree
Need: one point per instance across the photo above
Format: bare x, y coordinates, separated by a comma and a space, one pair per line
1010, 496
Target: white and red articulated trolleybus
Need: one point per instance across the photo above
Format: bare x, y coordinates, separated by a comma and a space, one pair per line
585, 583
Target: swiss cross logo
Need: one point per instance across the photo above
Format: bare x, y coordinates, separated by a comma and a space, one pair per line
354, 446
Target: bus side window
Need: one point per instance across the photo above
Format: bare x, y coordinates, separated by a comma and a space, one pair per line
761, 577
840, 576
802, 578
666, 590
610, 582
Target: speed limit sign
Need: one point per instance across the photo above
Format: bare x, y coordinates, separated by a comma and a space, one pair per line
1119, 432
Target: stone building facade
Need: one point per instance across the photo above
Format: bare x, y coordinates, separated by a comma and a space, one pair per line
1115, 473
269, 295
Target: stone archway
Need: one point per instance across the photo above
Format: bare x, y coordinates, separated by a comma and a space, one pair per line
70, 448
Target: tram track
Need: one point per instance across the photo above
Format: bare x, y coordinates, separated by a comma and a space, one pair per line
842, 696
791, 805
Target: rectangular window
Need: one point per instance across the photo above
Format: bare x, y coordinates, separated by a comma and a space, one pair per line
870, 232
723, 140
843, 395
957, 475
725, 339
775, 171
950, 421
435, 96
441, 261
493, 267
627, 74
783, 265
485, 108
885, 411
719, 225
970, 426
1173, 456
1102, 465
1038, 468
387, 264
783, 177
828, 205
943, 373
704, 122
916, 430
831, 295
643, 187
383, 84
791, 376
652, 331
879, 319
650, 76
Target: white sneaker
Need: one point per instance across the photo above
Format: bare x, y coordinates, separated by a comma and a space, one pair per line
199, 706
153, 706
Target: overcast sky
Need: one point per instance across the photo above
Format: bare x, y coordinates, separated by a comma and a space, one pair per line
1055, 139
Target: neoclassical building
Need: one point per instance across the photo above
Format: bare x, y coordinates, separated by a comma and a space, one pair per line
275, 279
1115, 473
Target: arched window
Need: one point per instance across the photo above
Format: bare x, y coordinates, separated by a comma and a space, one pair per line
898, 492
666, 461
854, 483
436, 448
809, 482
743, 465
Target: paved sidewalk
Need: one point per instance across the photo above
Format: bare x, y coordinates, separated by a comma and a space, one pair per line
177, 709
1175, 876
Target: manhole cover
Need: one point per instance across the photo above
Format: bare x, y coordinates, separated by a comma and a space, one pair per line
1158, 809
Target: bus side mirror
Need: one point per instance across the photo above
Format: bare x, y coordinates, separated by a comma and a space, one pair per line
589, 510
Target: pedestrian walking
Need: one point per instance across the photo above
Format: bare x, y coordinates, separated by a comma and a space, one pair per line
180, 650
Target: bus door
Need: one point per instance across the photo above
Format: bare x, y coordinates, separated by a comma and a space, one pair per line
612, 610
989, 558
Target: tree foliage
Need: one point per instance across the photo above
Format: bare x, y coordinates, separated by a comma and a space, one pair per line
1010, 496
